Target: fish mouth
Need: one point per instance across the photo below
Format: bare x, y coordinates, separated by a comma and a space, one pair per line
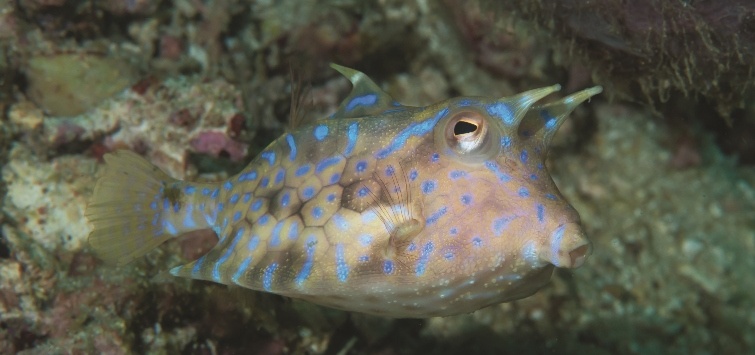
568, 246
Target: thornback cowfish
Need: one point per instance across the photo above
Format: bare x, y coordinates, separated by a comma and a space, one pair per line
382, 208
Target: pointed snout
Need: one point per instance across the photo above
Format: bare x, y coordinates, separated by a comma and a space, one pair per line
568, 247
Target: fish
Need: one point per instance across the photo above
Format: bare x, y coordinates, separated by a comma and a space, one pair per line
380, 208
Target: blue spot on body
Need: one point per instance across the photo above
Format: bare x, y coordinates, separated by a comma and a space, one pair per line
234, 198
292, 147
263, 220
493, 166
293, 230
170, 227
264, 182
533, 176
228, 185
388, 267
190, 190
331, 197
361, 166
250, 176
269, 156
411, 247
206, 191
198, 266
556, 238
540, 213
325, 163
237, 216
220, 207
551, 197
363, 100
257, 205
321, 132
363, 191
280, 176
334, 178
389, 170
449, 255
523, 156
365, 239
342, 269
275, 235
413, 175
428, 186
215, 193
414, 129
477, 242
453, 231
340, 222
188, 219
435, 157
253, 243
153, 205
501, 111
317, 212
499, 225
231, 248
523, 192
306, 269
424, 257
247, 197
267, 276
242, 268
436, 216
352, 135
300, 171
456, 174
308, 192
285, 199
176, 207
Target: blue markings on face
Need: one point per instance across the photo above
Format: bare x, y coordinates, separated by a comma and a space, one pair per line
361, 166
413, 129
413, 175
388, 267
325, 163
363, 100
435, 157
412, 247
256, 205
189, 190
342, 269
556, 237
228, 185
448, 255
279, 177
242, 268
389, 170
237, 216
300, 171
453, 231
269, 156
352, 134
306, 269
506, 142
523, 192
321, 131
291, 147
466, 199
264, 182
424, 257
363, 191
499, 225
524, 156
250, 176
501, 111
364, 258
317, 212
428, 186
436, 215
540, 213
234, 198
285, 199
477, 242
308, 192
493, 166
551, 197
267, 276
533, 176
456, 174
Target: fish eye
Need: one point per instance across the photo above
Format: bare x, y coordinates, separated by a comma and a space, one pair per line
466, 132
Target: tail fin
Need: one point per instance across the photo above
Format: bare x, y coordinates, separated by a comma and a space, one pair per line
131, 207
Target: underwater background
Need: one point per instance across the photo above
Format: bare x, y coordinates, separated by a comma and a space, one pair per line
659, 166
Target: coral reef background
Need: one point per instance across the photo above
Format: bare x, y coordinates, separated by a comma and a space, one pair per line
660, 167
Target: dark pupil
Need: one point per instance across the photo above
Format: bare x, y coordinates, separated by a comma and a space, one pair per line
463, 127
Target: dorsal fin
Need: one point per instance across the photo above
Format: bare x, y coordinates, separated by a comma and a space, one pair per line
366, 97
